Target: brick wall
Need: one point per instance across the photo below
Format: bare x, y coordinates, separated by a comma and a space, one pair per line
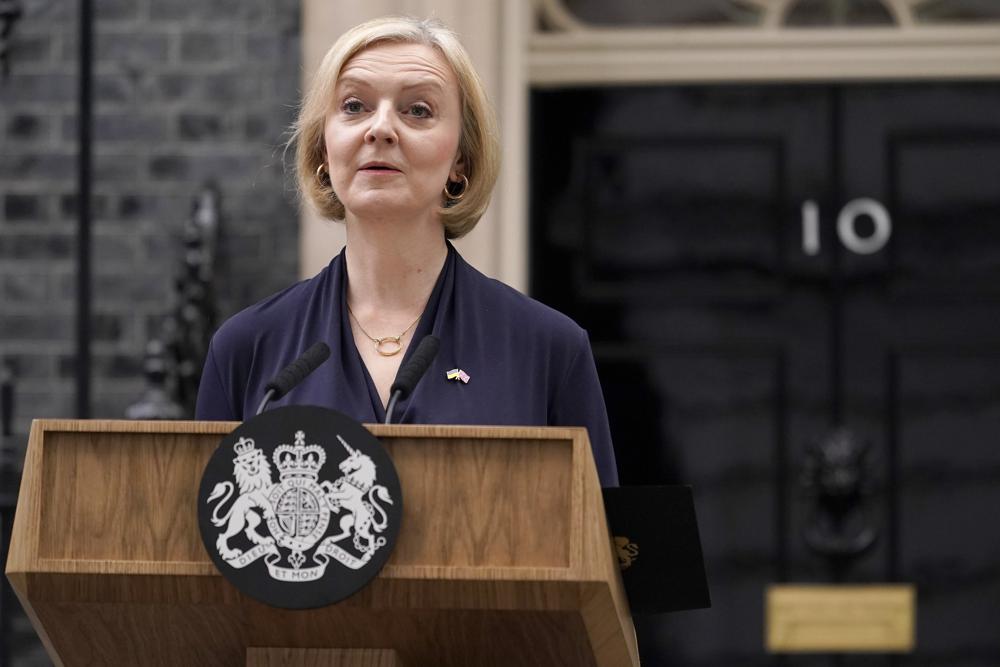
185, 91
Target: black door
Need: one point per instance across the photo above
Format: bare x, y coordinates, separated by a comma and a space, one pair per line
757, 265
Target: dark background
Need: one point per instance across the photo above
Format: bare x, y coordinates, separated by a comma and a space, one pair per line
184, 92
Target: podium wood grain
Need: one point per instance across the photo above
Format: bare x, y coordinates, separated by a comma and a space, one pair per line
318, 657
503, 557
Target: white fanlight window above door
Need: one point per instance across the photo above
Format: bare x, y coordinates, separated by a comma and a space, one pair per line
592, 42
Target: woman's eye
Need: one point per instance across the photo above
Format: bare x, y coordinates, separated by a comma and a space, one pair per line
353, 106
420, 111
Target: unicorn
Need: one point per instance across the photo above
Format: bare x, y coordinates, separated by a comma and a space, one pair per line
357, 493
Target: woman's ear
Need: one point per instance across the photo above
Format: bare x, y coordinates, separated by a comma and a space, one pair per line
457, 169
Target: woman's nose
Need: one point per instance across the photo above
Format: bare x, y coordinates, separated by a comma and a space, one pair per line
382, 126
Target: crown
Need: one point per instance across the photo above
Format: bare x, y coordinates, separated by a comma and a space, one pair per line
299, 461
243, 447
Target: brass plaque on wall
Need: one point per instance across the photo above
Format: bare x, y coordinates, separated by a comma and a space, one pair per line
832, 619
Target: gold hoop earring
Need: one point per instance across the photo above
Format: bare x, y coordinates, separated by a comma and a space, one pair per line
453, 197
320, 170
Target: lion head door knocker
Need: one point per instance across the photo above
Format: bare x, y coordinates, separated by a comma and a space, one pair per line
626, 550
836, 476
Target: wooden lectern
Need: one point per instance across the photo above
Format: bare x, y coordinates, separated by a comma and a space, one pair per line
503, 557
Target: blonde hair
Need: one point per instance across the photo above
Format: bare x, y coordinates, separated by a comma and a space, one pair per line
478, 145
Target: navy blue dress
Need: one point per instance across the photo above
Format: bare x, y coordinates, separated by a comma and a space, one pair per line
528, 364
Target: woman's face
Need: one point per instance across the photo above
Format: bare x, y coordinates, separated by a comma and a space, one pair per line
393, 130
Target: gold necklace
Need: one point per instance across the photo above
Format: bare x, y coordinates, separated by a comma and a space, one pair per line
393, 346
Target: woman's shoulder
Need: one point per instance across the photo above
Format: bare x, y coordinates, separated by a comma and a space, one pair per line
273, 316
531, 317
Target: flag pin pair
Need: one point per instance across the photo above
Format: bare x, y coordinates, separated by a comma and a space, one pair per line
458, 374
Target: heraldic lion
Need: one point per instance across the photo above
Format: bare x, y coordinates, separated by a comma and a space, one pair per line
253, 476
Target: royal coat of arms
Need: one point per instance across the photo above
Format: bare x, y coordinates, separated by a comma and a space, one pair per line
288, 521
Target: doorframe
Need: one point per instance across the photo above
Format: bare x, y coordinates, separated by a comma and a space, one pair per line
547, 47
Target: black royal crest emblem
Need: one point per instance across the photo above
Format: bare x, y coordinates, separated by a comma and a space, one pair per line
299, 507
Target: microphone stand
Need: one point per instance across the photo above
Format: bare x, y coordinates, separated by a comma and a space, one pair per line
267, 399
392, 405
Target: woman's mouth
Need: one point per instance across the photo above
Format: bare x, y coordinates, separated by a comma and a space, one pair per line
379, 168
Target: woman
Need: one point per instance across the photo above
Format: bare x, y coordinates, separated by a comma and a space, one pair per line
396, 137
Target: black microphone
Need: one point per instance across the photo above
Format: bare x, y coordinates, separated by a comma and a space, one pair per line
294, 373
411, 372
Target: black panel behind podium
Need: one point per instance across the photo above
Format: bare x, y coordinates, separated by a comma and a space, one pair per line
656, 538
